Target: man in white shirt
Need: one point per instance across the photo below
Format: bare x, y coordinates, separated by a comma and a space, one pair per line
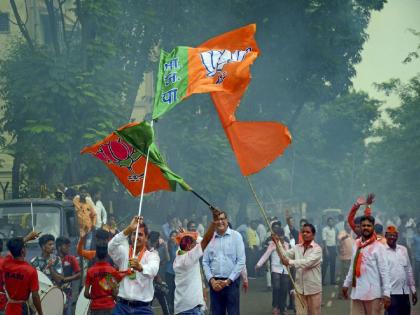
368, 274
306, 257
189, 297
136, 290
101, 215
401, 275
329, 237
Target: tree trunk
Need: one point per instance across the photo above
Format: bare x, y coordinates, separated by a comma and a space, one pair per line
21, 25
16, 176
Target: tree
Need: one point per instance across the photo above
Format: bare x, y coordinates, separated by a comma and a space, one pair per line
75, 90
393, 160
309, 49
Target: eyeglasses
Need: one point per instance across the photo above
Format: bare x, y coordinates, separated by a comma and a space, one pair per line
221, 219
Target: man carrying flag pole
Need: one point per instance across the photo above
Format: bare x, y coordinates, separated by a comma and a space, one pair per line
136, 288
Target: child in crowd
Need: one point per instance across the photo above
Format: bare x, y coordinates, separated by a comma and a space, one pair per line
101, 284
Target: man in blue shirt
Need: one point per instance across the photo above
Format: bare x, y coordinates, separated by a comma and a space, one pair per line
223, 261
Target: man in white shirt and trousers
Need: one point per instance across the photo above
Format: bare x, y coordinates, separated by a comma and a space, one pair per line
401, 275
307, 259
136, 290
369, 273
189, 297
101, 215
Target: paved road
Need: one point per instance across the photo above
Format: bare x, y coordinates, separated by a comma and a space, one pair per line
258, 301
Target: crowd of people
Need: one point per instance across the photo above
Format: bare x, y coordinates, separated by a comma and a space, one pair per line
193, 266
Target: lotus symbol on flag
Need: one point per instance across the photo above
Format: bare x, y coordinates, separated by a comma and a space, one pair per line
119, 153
215, 60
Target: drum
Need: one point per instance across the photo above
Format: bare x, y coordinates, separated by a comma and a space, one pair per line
52, 298
82, 305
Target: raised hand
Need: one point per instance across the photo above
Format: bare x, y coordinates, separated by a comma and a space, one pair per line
31, 236
216, 212
370, 198
361, 200
133, 224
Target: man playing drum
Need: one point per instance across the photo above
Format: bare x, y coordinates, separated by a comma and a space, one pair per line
20, 280
48, 262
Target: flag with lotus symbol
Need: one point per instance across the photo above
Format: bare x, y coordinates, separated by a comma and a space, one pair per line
124, 152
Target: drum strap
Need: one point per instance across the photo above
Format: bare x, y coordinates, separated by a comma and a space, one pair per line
16, 301
9, 299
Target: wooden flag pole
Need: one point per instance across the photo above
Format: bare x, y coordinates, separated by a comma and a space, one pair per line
279, 247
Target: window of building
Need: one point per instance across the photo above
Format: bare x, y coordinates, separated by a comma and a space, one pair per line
4, 22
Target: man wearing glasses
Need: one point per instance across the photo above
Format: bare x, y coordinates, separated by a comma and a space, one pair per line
223, 261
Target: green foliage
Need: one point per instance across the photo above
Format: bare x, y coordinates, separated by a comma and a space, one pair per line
303, 77
56, 103
393, 163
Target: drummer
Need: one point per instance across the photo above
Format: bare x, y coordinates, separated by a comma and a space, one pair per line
71, 271
49, 263
20, 280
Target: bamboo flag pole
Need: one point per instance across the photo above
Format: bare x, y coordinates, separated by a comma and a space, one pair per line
279, 247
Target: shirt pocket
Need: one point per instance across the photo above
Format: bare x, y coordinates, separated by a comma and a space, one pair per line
230, 251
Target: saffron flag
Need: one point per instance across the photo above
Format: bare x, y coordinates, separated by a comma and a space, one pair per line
223, 67
124, 152
255, 144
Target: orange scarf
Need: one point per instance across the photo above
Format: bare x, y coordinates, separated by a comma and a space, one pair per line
129, 271
359, 256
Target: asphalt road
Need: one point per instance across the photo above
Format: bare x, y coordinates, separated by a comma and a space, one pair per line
258, 301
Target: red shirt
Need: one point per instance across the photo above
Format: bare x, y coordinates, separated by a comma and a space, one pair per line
3, 298
70, 265
101, 299
20, 279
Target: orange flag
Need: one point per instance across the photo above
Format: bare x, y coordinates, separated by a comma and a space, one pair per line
255, 144
186, 70
124, 153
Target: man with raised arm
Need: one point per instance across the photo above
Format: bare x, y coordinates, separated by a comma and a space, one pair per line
136, 288
354, 222
368, 275
189, 297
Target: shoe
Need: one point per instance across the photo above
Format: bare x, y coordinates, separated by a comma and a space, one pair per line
275, 311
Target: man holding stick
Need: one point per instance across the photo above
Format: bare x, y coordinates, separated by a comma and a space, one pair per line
307, 259
136, 288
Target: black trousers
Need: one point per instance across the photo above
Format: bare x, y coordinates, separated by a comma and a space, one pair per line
417, 272
170, 281
400, 305
226, 300
163, 301
329, 260
280, 286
